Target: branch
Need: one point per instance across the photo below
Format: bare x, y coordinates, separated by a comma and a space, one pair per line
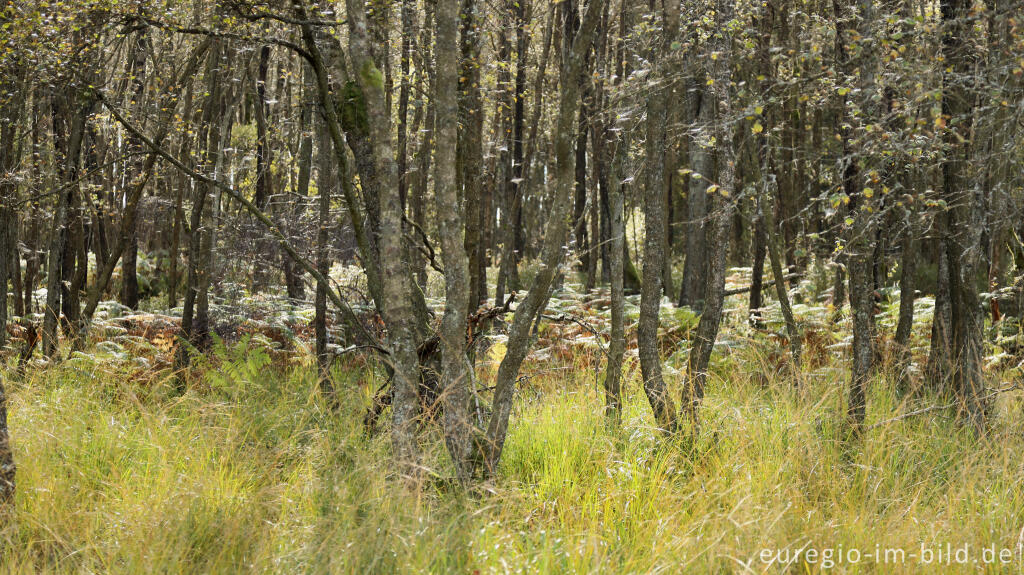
738, 291
930, 408
565, 317
426, 249
196, 31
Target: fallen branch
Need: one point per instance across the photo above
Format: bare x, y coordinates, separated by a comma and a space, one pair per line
382, 397
931, 408
569, 318
767, 284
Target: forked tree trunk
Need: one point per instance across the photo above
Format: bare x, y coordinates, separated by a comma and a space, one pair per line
573, 52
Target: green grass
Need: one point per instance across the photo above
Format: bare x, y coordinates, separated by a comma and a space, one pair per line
248, 472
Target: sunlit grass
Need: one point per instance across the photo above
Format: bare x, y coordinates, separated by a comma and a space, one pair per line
248, 472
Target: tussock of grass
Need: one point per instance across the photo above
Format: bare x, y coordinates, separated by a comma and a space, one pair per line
249, 473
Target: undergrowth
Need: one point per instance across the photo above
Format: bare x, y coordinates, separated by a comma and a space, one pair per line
249, 472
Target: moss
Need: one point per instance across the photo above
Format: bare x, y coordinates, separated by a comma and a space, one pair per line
372, 76
352, 110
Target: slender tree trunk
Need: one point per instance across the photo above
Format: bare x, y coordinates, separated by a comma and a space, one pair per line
859, 251
325, 185
654, 226
470, 149
69, 131
781, 293
940, 354
757, 270
908, 267
573, 53
193, 323
129, 261
617, 346
11, 79
397, 283
695, 265
424, 114
457, 376
263, 163
966, 214
721, 217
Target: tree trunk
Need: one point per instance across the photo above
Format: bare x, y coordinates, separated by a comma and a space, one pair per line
908, 267
940, 353
457, 375
69, 131
194, 327
654, 226
326, 183
775, 258
966, 214
617, 346
129, 261
399, 312
573, 53
470, 150
721, 217
695, 265
757, 270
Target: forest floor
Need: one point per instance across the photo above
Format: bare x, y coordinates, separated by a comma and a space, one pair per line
249, 471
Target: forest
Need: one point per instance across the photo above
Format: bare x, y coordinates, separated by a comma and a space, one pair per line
511, 286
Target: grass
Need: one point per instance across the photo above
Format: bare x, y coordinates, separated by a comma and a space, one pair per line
248, 472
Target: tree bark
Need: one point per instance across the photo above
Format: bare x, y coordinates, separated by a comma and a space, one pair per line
654, 225
617, 345
908, 267
457, 374
721, 217
966, 219
470, 150
691, 292
573, 52
397, 283
129, 263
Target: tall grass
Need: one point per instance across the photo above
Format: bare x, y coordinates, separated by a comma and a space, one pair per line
249, 472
